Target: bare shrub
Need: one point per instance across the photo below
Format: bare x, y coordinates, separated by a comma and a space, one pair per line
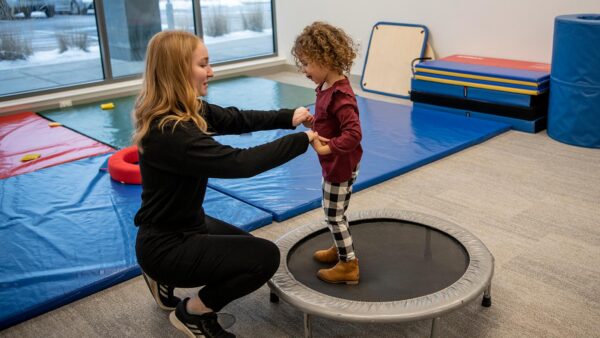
185, 22
254, 19
14, 47
80, 40
63, 42
72, 39
215, 22
6, 12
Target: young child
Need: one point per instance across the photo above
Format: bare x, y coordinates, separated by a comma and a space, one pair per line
325, 54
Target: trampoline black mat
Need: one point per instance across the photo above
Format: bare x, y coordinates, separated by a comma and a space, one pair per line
398, 260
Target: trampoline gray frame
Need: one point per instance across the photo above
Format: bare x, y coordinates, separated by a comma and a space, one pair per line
475, 281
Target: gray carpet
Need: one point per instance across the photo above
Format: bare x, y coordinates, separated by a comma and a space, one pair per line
533, 201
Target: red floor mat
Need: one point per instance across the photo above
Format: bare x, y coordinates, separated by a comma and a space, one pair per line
28, 133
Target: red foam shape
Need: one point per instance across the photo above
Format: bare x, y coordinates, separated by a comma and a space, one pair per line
123, 167
26, 133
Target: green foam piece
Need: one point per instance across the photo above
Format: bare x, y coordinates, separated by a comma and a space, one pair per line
259, 94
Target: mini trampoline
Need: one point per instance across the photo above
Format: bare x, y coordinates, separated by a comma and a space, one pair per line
413, 267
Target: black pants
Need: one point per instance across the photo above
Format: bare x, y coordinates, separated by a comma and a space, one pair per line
228, 261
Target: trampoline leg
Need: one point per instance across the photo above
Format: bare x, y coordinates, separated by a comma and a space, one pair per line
273, 298
487, 297
435, 327
307, 326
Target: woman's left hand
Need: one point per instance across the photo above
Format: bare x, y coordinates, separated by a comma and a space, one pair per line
302, 115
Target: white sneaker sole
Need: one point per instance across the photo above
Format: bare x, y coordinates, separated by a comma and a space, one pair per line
153, 286
180, 326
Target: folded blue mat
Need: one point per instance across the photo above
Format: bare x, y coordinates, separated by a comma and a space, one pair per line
465, 70
395, 140
523, 81
506, 87
67, 232
479, 94
528, 126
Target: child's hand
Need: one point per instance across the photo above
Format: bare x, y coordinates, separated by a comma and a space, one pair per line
319, 143
323, 140
308, 123
301, 115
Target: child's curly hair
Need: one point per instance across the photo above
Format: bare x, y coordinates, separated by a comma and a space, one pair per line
325, 45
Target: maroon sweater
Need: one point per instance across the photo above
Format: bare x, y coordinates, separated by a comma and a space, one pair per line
336, 118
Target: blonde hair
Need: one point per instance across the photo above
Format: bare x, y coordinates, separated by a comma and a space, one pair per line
167, 92
326, 45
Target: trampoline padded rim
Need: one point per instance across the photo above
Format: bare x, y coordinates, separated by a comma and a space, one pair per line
471, 285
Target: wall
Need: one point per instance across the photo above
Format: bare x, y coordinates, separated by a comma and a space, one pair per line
517, 29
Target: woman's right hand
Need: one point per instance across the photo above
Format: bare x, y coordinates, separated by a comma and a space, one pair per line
302, 115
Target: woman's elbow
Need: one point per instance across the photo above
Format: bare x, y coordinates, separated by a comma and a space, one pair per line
250, 170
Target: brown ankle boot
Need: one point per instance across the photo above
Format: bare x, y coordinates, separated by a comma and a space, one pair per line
327, 256
342, 272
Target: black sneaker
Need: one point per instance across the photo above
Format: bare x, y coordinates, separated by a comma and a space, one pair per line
205, 325
163, 294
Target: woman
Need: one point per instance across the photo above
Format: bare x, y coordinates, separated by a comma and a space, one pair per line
177, 244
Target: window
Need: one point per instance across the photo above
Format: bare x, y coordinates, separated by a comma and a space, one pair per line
50, 44
46, 45
236, 30
132, 23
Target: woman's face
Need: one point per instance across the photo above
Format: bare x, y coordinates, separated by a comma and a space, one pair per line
201, 70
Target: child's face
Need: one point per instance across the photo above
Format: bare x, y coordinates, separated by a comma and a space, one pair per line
201, 70
315, 71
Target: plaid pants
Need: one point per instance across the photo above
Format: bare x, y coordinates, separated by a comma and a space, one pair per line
336, 197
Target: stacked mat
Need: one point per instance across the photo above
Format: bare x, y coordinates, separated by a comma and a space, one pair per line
509, 91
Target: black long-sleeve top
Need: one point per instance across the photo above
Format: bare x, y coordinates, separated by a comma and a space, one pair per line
176, 164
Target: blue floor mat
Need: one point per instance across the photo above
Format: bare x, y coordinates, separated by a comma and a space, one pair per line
67, 232
395, 140
527, 126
